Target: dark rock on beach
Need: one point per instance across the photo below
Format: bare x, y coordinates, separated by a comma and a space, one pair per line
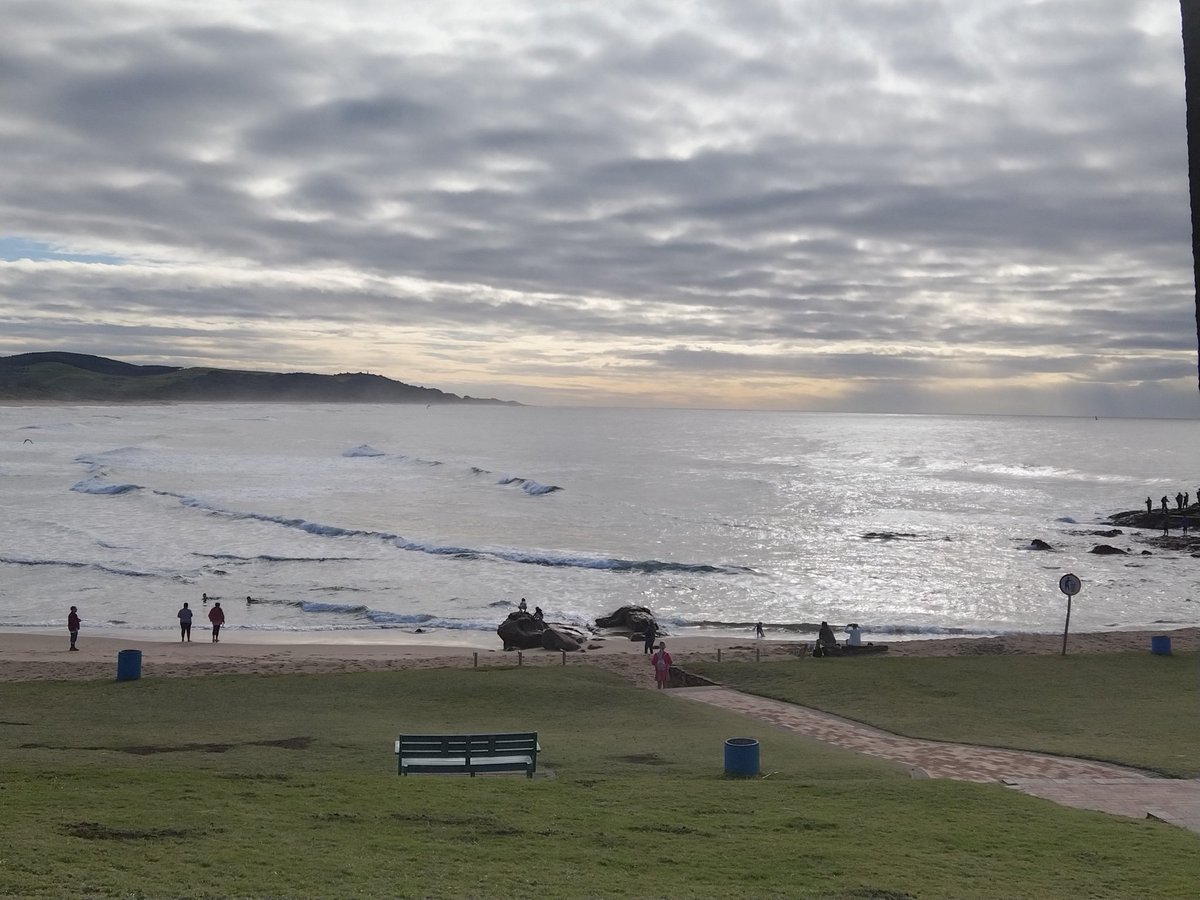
1039, 544
634, 620
521, 631
1107, 550
553, 639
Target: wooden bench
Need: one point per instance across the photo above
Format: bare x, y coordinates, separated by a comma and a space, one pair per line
440, 754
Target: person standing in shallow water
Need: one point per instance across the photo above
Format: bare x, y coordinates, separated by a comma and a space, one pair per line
216, 616
185, 624
73, 627
758, 630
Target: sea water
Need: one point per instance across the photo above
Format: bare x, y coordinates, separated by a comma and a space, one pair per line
348, 520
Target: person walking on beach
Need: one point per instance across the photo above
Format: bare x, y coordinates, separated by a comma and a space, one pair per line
662, 665
216, 615
758, 630
73, 626
185, 624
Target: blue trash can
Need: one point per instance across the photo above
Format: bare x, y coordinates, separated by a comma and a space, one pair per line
1160, 644
741, 757
129, 665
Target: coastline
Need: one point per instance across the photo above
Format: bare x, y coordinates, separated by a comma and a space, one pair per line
43, 656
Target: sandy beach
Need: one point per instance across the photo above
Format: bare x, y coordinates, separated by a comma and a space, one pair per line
43, 656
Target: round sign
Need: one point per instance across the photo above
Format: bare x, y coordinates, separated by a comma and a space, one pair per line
1069, 585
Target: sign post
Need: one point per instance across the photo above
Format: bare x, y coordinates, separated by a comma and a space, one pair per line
1069, 585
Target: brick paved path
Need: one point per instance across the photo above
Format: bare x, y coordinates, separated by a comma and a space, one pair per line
1071, 782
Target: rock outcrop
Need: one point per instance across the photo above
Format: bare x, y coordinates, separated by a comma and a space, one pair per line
553, 639
521, 631
631, 620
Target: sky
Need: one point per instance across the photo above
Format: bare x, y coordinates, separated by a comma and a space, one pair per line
960, 206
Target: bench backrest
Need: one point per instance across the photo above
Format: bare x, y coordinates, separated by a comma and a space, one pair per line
471, 746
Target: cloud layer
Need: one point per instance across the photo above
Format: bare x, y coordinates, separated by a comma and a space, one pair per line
965, 206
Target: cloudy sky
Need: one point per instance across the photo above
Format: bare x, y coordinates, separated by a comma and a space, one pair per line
927, 205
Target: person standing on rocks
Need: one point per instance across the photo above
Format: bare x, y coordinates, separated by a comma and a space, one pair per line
1149, 505
73, 626
648, 639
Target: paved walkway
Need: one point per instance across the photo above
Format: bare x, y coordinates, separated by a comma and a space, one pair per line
1079, 783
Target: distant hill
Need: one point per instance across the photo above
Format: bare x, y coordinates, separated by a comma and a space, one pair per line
34, 377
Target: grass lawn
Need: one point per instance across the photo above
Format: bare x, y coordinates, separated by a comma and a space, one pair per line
1133, 708
286, 786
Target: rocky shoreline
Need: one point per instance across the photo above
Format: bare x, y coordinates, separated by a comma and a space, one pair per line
1148, 534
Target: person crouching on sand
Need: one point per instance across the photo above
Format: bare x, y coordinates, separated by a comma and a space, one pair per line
662, 665
216, 615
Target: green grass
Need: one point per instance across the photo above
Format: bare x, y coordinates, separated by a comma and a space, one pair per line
286, 786
1137, 709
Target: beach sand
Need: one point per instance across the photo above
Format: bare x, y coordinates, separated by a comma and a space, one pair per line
42, 656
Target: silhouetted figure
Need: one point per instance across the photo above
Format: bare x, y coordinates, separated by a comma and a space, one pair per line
648, 640
537, 614
758, 630
1165, 507
1179, 500
216, 616
185, 624
1149, 505
73, 626
825, 636
523, 606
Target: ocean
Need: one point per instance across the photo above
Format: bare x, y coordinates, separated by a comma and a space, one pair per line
348, 522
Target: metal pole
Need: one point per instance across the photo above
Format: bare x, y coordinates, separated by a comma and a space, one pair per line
1067, 625
477, 659
564, 653
520, 659
757, 655
718, 654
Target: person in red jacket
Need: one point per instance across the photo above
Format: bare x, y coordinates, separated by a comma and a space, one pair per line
73, 626
662, 665
216, 615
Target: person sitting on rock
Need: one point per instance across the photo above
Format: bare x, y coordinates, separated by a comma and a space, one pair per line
537, 614
522, 606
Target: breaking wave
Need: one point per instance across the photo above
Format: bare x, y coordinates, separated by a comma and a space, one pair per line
523, 557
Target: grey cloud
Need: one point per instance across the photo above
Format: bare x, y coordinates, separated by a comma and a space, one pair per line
975, 176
